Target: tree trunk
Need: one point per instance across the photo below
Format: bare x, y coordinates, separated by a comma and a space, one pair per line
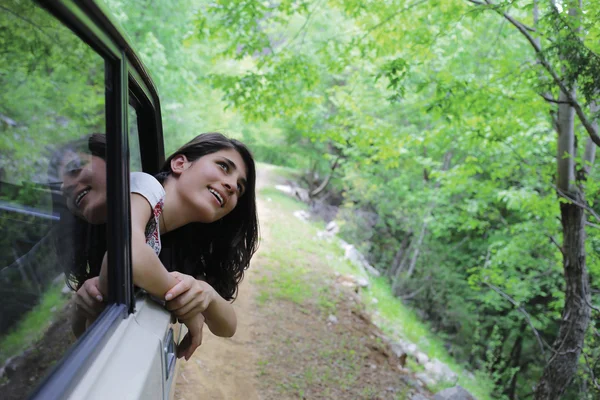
590, 147
565, 156
325, 182
417, 251
567, 347
413, 261
561, 368
396, 281
417, 247
400, 254
515, 361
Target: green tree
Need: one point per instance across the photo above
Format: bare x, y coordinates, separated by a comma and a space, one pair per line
571, 70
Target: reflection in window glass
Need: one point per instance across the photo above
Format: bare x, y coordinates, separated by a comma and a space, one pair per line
135, 159
52, 190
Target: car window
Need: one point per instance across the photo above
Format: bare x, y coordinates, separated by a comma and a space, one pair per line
135, 159
52, 188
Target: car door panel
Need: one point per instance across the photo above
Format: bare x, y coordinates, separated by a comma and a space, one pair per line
131, 365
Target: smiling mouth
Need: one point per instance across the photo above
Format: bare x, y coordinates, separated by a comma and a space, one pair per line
80, 196
217, 196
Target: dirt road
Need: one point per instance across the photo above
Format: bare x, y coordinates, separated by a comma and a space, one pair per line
226, 368
223, 368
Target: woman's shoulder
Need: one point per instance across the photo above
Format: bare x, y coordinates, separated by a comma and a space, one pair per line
147, 186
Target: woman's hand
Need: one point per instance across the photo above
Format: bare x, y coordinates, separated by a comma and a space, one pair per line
88, 305
189, 297
192, 339
88, 299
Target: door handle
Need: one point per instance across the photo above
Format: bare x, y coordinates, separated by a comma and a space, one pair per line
169, 353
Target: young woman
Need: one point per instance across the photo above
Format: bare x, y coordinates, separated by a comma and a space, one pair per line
202, 204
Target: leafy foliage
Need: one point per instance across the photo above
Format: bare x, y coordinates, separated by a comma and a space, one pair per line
446, 145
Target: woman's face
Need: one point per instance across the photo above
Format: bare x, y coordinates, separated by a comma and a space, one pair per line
212, 185
84, 186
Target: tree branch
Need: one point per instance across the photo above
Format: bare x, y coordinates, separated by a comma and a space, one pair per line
591, 371
572, 200
324, 184
39, 28
525, 31
590, 305
556, 244
388, 19
303, 27
573, 32
552, 100
413, 294
588, 223
527, 317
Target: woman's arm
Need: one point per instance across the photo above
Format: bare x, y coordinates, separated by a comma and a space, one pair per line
220, 317
191, 297
148, 271
151, 275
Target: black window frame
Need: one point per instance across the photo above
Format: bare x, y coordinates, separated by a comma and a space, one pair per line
124, 72
148, 121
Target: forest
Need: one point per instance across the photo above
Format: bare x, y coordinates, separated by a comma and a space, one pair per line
455, 140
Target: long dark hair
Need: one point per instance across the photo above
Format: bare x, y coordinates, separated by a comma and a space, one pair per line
219, 252
80, 246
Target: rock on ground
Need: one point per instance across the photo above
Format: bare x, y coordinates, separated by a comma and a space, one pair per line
454, 393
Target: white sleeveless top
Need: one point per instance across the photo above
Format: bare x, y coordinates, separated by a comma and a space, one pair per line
147, 186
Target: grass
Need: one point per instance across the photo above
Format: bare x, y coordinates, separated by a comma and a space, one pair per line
300, 238
283, 285
288, 273
403, 394
282, 200
33, 325
282, 172
296, 240
414, 366
399, 320
262, 364
326, 303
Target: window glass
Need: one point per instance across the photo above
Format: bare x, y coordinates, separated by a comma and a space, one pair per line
135, 159
52, 189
